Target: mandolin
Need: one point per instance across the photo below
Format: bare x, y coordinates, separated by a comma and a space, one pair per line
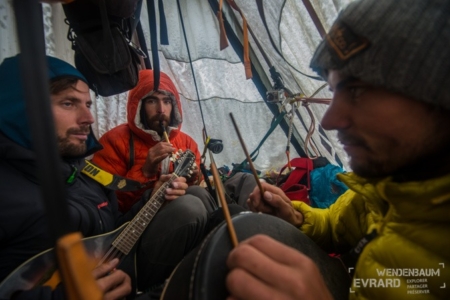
41, 270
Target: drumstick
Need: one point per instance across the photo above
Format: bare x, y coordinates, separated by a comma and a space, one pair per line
221, 194
261, 190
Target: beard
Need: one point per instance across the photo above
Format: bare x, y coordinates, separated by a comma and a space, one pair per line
428, 158
364, 163
67, 148
154, 123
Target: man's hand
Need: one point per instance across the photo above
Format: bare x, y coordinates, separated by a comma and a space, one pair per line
115, 284
176, 189
264, 269
275, 202
155, 155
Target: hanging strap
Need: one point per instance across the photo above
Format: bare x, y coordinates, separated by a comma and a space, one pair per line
163, 33
247, 63
223, 34
143, 44
315, 18
154, 43
110, 181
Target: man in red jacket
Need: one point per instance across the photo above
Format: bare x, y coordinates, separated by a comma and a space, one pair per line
142, 148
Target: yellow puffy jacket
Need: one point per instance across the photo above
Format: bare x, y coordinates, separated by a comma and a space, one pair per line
410, 256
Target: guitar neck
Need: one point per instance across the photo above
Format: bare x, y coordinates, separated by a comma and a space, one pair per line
130, 235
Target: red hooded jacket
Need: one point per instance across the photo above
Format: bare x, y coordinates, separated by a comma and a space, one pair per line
115, 156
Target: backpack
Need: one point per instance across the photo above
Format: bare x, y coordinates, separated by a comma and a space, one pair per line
292, 186
100, 32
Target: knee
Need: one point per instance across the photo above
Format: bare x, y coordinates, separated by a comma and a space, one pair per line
197, 191
204, 196
189, 208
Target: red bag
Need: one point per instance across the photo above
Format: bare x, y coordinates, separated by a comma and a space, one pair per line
291, 187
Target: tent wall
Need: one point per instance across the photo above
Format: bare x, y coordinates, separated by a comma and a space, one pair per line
221, 83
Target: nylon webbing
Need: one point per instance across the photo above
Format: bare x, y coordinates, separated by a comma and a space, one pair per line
314, 17
143, 45
163, 34
223, 34
110, 181
154, 42
245, 43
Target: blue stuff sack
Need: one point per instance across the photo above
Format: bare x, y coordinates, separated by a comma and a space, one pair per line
325, 187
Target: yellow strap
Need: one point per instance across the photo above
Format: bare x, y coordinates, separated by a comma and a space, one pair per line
97, 174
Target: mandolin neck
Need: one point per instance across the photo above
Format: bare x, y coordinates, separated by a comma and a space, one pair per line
130, 235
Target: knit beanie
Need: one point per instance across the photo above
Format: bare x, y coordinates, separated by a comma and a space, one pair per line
401, 45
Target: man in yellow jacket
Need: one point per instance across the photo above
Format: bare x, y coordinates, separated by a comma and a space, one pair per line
387, 63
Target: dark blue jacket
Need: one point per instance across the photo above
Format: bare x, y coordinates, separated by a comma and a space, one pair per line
24, 228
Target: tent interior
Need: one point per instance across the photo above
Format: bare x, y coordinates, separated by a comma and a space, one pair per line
212, 82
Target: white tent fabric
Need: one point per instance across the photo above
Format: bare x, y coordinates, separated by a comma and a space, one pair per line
220, 77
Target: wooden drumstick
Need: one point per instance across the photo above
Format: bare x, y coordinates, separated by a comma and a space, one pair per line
248, 157
226, 212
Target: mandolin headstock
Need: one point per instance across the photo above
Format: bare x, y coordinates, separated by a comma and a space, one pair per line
184, 163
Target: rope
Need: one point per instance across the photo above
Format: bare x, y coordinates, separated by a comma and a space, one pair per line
260, 6
190, 63
288, 145
310, 133
216, 146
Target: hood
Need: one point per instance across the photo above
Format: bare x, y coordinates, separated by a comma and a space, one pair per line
13, 116
145, 87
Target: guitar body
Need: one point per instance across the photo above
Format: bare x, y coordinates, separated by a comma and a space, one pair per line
41, 269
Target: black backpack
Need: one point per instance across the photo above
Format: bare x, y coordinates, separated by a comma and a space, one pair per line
100, 32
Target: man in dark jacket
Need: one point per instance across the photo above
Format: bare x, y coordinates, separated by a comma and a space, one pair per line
93, 208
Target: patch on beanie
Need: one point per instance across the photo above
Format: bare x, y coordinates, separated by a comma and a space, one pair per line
344, 42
